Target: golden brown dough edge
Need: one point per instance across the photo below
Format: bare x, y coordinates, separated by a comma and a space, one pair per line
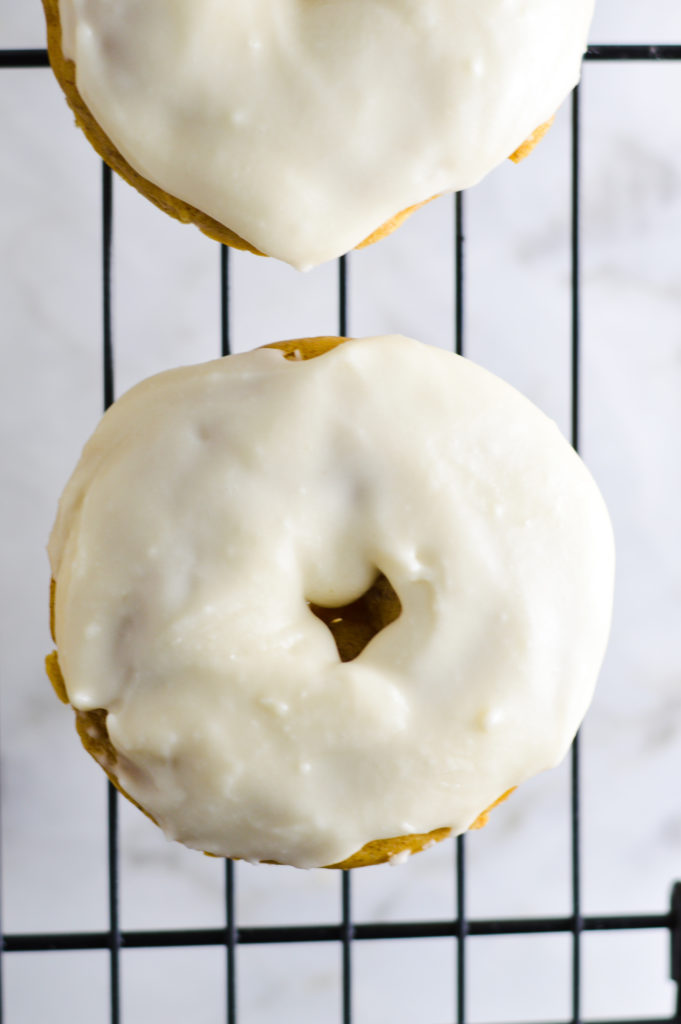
91, 725
65, 73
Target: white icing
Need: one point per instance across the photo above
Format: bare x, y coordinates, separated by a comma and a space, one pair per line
399, 858
303, 126
213, 502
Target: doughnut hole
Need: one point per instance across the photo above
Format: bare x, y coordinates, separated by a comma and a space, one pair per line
353, 625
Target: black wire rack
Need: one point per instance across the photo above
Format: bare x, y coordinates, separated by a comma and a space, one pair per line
347, 932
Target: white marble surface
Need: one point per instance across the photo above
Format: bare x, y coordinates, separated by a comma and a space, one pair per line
517, 323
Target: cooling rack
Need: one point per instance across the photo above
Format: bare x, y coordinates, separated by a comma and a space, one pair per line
347, 932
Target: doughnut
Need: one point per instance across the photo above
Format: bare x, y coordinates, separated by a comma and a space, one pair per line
325, 603
303, 130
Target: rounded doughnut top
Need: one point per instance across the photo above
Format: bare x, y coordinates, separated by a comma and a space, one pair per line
215, 503
303, 126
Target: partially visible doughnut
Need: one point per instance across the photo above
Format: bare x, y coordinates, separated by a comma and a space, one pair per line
305, 130
219, 509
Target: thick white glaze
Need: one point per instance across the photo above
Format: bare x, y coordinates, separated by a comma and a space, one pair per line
213, 502
304, 125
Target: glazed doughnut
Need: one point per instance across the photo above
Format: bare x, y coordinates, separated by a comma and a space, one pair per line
224, 522
301, 129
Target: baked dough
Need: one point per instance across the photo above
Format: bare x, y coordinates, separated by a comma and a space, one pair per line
303, 130
219, 508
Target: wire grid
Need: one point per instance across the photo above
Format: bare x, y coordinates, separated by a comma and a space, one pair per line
347, 932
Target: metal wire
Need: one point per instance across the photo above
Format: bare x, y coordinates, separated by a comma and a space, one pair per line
577, 923
109, 396
346, 932
257, 935
460, 845
230, 937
